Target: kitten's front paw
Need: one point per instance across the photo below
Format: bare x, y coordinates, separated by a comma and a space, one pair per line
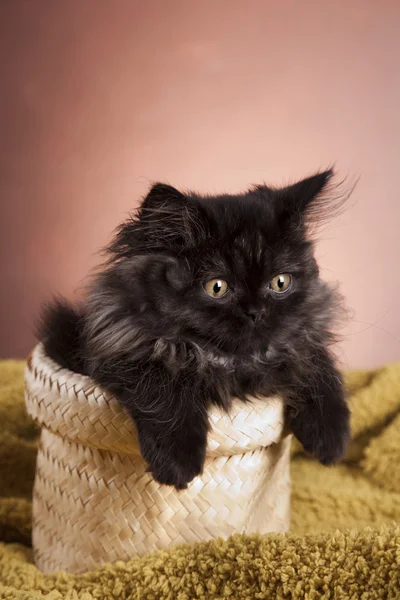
324, 432
173, 463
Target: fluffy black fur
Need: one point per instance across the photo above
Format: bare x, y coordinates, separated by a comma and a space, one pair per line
149, 332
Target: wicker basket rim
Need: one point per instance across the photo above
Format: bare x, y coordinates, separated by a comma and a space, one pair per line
73, 406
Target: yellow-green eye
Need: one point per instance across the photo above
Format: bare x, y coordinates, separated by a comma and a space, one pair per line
216, 288
281, 283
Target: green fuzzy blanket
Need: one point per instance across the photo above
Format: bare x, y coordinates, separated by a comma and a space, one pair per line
343, 543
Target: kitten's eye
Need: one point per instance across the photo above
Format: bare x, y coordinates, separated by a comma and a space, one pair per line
216, 288
281, 283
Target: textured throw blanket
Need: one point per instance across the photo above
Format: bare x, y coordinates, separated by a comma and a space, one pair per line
344, 542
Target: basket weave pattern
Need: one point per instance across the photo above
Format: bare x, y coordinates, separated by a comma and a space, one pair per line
93, 500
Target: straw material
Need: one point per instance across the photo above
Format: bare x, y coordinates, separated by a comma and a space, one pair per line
93, 500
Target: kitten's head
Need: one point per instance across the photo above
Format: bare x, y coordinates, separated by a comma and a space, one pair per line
233, 274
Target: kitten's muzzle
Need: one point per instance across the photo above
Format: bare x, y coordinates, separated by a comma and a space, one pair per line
255, 314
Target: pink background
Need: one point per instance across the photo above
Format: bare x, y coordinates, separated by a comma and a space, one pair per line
99, 98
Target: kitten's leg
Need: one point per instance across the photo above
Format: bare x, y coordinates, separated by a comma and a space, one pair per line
170, 413
317, 412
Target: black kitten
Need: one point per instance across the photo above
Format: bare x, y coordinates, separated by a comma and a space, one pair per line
204, 299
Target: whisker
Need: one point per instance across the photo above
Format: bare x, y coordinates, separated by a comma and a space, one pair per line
373, 325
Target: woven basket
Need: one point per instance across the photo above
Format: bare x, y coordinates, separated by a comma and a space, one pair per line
93, 500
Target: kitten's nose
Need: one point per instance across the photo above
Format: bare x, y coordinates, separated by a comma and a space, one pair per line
255, 314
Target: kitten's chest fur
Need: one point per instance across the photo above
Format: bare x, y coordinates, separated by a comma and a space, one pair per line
237, 376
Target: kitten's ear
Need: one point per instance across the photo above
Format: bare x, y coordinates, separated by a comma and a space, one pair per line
161, 196
168, 218
298, 196
309, 201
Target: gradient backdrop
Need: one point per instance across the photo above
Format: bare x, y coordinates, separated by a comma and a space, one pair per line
101, 97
